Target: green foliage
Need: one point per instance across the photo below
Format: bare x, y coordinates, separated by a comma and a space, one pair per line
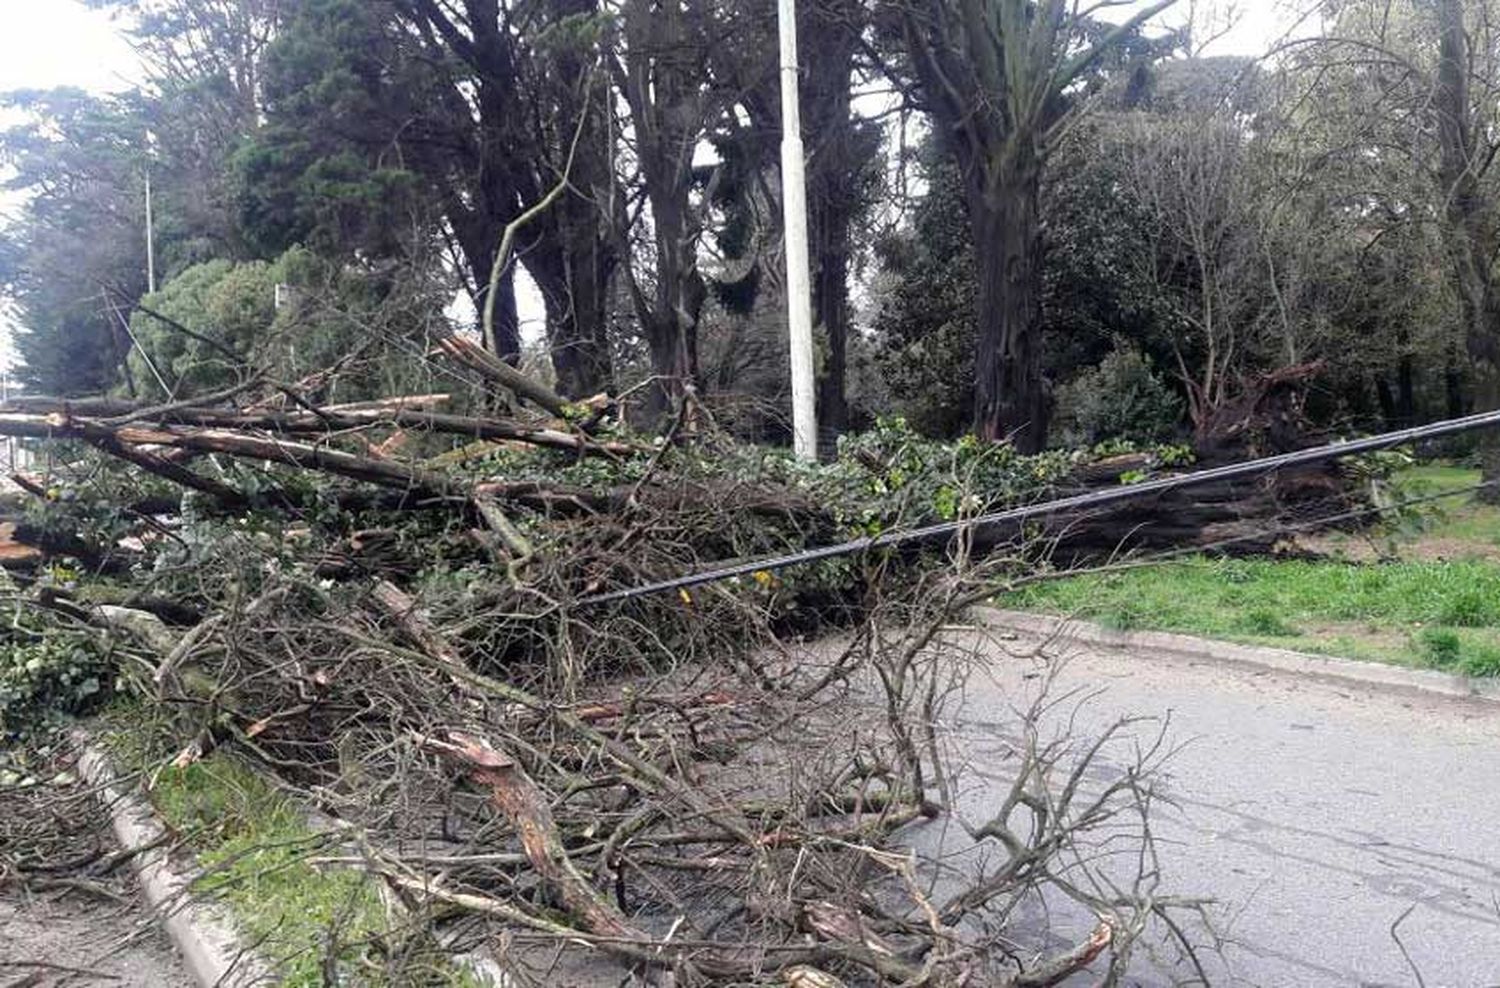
1266, 622
1121, 398
47, 670
1441, 645
1470, 607
230, 308
340, 95
97, 506
1453, 651
1394, 480
230, 304
1096, 291
891, 475
1481, 661
75, 163
925, 321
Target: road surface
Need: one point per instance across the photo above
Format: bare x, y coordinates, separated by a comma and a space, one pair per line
79, 941
1315, 815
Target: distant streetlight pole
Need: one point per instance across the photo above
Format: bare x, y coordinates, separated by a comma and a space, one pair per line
794, 212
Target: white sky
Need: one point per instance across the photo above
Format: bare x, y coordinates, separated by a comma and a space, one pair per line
47, 43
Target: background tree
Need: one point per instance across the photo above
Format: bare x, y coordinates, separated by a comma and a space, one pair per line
1403, 96
76, 258
996, 76
842, 181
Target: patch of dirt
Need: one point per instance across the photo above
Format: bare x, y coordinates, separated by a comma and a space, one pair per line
1425, 549
1390, 641
1438, 549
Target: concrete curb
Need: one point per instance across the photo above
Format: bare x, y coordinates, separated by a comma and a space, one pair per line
203, 936
1320, 667
202, 933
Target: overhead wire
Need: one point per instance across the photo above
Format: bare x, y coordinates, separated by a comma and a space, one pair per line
1092, 499
1289, 528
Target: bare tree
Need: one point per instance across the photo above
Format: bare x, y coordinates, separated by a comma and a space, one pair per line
1406, 95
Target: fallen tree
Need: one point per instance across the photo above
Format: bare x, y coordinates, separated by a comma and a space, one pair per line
678, 823
632, 779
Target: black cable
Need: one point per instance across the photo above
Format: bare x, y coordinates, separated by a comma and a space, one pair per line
1093, 499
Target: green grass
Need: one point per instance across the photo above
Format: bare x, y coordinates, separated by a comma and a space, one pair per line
253, 845
1442, 613
1386, 612
1439, 477
1461, 518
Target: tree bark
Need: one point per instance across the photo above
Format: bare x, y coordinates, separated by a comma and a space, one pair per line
1455, 402
577, 316
828, 46
671, 322
831, 312
660, 80
1406, 391
1471, 224
1387, 401
1009, 397
575, 259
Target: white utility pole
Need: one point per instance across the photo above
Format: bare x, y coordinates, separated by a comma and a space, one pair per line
150, 234
10, 441
794, 212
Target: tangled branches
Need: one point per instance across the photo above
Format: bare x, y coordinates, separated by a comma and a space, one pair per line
726, 821
680, 785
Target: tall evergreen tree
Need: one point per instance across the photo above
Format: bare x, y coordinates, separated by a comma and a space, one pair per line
996, 76
75, 258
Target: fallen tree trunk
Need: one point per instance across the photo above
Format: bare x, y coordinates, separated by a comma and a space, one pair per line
46, 418
385, 473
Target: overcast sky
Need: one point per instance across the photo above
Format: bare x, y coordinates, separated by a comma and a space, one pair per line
46, 43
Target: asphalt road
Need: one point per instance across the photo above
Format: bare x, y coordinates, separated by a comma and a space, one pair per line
1314, 815
79, 941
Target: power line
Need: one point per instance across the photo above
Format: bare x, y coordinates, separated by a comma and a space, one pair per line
1094, 499
1168, 555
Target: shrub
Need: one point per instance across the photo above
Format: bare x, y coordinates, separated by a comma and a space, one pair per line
232, 313
1122, 398
46, 672
1481, 661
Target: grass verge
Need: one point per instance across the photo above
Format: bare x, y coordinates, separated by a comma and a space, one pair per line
317, 925
1434, 609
